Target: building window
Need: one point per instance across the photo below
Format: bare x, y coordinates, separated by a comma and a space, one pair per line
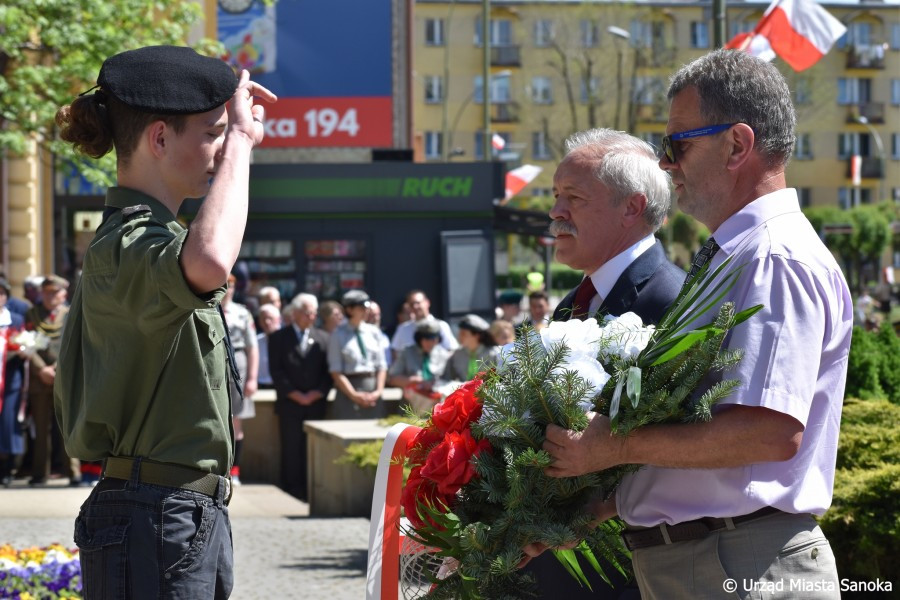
589, 89
500, 90
501, 32
479, 146
590, 34
804, 195
895, 92
540, 150
434, 32
744, 26
648, 90
541, 90
434, 144
803, 147
848, 197
854, 90
803, 91
648, 34
434, 89
858, 34
699, 34
895, 146
852, 144
895, 36
543, 33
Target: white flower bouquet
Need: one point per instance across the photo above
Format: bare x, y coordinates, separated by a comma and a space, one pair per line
29, 342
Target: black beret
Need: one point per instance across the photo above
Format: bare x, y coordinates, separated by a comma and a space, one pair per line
168, 80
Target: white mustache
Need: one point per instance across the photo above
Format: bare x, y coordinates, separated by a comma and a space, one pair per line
559, 227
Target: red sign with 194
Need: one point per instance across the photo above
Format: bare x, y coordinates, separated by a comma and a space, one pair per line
329, 122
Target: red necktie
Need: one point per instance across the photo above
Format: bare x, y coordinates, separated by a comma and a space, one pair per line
582, 304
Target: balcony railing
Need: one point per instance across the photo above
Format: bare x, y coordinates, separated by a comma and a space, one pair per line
504, 112
655, 57
871, 168
865, 56
506, 56
872, 111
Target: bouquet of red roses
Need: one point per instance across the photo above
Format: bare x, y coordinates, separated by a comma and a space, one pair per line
441, 454
478, 492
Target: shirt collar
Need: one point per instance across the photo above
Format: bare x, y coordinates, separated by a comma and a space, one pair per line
608, 274
739, 225
297, 330
122, 197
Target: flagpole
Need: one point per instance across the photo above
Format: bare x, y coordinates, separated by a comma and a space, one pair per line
486, 77
719, 7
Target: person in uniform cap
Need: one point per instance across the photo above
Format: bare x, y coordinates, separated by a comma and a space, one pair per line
146, 367
476, 350
510, 307
356, 362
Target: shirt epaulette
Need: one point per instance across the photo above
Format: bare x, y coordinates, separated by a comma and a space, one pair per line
132, 212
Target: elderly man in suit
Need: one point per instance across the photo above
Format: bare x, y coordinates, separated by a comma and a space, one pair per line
610, 199
609, 203
298, 363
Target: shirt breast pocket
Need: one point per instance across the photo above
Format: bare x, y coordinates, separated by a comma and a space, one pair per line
211, 343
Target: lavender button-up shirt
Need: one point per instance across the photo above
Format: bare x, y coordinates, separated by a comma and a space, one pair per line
795, 363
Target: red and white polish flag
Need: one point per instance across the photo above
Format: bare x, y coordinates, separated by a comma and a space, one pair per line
799, 31
498, 142
856, 170
518, 178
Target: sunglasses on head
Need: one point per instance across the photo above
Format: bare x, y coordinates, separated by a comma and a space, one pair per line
668, 149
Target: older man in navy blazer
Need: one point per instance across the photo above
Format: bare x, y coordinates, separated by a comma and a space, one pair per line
610, 199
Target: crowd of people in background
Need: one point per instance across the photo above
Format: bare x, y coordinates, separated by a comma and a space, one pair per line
302, 349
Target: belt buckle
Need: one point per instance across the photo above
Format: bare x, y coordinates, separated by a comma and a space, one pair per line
229, 488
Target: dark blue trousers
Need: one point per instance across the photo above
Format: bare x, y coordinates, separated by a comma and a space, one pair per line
142, 541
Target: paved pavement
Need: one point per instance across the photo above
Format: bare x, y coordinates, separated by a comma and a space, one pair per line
280, 552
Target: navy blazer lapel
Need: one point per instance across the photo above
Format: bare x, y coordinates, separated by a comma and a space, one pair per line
625, 291
563, 310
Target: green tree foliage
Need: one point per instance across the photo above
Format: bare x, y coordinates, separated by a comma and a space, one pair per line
868, 238
864, 368
863, 523
51, 50
874, 364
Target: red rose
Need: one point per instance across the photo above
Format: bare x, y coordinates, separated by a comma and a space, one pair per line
459, 409
449, 464
420, 492
418, 447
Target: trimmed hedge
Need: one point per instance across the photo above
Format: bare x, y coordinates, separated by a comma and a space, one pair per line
863, 523
874, 365
564, 278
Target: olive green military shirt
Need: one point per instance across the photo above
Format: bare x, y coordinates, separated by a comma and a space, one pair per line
142, 368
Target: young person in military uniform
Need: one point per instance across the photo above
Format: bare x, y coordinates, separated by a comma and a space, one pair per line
144, 372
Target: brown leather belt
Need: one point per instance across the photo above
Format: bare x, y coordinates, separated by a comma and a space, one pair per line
689, 530
157, 473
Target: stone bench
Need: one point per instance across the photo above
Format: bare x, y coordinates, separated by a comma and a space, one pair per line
261, 455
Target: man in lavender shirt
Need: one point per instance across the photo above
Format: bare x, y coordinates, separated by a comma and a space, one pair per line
724, 509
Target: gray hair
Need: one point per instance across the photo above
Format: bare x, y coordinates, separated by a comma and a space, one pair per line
735, 87
269, 309
626, 165
304, 300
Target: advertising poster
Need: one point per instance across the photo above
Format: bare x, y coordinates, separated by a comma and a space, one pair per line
329, 62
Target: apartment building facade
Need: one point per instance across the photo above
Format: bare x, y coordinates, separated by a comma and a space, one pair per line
560, 66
